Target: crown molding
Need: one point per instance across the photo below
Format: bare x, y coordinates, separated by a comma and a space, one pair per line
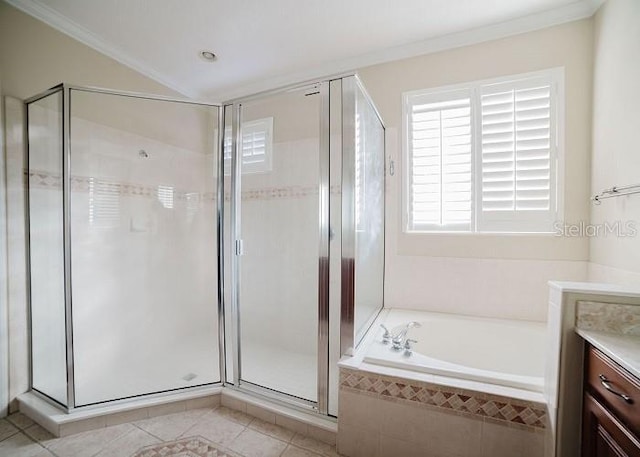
568, 13
63, 24
573, 12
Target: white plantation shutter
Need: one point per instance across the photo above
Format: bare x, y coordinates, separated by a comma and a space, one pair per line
257, 143
254, 145
440, 161
483, 157
517, 123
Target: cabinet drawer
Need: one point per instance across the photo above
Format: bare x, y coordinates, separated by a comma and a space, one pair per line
603, 435
618, 390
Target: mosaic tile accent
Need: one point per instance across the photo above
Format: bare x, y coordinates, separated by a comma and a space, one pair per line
46, 180
190, 447
608, 317
530, 415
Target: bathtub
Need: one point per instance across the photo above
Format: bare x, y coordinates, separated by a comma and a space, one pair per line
498, 352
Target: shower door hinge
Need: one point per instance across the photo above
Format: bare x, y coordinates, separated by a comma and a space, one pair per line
239, 249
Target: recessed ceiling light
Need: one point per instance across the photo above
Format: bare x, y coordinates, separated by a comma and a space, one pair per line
208, 56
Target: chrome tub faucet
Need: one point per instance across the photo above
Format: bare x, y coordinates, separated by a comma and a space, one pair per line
399, 340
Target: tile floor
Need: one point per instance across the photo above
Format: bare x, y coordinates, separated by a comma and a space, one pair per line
234, 430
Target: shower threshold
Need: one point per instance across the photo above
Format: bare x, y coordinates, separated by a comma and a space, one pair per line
61, 423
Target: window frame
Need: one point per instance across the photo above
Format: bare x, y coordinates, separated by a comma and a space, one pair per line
500, 226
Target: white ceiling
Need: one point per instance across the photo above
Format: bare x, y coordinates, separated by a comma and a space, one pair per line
266, 43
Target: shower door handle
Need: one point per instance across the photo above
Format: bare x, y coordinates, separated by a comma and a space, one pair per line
239, 248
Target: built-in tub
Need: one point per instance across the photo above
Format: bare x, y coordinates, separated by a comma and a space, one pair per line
475, 378
501, 352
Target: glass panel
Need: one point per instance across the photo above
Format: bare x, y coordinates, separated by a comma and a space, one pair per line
280, 233
369, 214
144, 263
46, 242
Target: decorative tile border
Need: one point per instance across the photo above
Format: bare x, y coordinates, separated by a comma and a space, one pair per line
43, 180
192, 447
495, 408
272, 193
46, 180
608, 317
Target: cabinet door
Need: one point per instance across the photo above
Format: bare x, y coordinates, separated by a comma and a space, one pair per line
603, 435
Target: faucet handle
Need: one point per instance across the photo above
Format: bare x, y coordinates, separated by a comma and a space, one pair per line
386, 336
407, 346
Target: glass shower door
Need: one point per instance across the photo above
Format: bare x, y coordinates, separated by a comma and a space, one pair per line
144, 264
279, 273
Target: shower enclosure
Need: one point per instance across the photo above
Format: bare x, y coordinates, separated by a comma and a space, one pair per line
122, 245
176, 245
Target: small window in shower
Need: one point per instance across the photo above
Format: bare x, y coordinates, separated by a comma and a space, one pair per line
257, 146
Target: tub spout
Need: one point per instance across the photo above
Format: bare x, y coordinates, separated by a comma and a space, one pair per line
399, 338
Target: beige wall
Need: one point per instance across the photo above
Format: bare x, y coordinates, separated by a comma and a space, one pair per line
616, 137
503, 275
34, 57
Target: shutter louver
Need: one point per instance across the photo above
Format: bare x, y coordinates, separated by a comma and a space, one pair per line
516, 149
256, 146
440, 164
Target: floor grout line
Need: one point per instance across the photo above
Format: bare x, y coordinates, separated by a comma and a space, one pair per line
147, 432
7, 437
38, 442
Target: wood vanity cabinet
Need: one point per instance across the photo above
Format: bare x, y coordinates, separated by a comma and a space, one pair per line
611, 409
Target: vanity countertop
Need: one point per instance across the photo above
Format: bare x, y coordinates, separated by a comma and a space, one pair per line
623, 349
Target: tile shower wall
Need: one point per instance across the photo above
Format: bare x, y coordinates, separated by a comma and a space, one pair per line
142, 215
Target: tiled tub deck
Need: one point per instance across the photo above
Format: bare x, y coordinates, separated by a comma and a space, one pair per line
389, 416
